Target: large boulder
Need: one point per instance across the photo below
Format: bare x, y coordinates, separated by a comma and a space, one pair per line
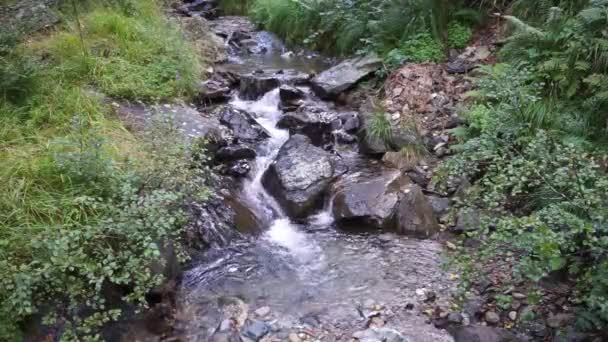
300, 176
203, 8
332, 82
313, 122
254, 85
242, 124
415, 215
369, 203
477, 333
27, 16
291, 97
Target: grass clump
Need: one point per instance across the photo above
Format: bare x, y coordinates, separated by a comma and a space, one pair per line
84, 204
380, 129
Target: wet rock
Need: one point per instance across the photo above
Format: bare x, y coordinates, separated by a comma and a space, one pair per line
263, 311
233, 26
380, 335
243, 218
332, 82
474, 333
369, 202
255, 85
225, 337
398, 160
440, 205
290, 97
212, 91
418, 175
204, 8
469, 59
491, 317
414, 214
559, 320
243, 125
299, 176
235, 152
314, 122
256, 330
238, 168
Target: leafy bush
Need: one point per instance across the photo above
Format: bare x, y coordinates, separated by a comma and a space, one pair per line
539, 187
459, 35
343, 26
16, 69
93, 224
423, 48
85, 205
380, 128
569, 53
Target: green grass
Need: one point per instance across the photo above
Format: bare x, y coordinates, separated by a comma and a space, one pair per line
380, 128
73, 180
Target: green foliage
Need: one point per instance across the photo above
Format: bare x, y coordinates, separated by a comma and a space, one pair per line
569, 53
16, 70
93, 224
459, 35
84, 205
343, 26
534, 150
380, 128
423, 48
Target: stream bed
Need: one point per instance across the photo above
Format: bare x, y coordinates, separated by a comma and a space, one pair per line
304, 279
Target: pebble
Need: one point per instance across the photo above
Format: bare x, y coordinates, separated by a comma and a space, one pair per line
519, 295
450, 245
492, 317
515, 305
263, 311
293, 337
513, 315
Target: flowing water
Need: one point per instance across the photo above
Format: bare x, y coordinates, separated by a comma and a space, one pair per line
309, 274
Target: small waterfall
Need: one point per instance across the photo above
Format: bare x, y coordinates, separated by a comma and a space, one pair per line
281, 231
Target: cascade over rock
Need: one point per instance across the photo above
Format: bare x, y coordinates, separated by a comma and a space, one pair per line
254, 85
299, 176
243, 125
332, 82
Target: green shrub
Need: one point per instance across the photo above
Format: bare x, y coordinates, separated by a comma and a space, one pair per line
380, 128
74, 221
459, 35
423, 48
84, 204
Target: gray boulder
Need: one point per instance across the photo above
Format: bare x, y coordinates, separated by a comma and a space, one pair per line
332, 82
291, 97
380, 335
235, 152
27, 16
244, 127
369, 203
300, 176
415, 215
254, 85
477, 333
